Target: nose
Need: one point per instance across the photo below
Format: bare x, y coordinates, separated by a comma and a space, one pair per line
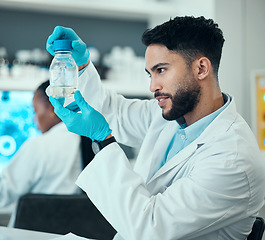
154, 85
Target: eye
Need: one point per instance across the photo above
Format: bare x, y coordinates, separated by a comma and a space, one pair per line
160, 70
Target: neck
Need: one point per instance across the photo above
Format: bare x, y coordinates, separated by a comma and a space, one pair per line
210, 101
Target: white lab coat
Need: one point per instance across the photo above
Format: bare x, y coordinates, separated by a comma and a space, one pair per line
212, 189
49, 163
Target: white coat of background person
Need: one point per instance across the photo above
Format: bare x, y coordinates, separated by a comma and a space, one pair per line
49, 163
199, 173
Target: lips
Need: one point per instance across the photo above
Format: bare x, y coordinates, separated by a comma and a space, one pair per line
161, 100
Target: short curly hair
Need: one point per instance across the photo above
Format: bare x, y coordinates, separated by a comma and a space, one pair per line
190, 37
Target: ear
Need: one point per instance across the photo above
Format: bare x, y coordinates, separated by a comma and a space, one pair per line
52, 115
202, 68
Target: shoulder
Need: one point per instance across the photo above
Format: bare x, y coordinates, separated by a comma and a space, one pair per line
59, 131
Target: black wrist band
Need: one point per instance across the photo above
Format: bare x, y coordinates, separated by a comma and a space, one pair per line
99, 145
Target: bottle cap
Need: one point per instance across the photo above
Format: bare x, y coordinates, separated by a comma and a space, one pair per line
62, 45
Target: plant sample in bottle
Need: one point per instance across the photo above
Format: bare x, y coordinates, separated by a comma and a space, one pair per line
63, 70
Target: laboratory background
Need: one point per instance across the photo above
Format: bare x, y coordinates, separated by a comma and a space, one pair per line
112, 30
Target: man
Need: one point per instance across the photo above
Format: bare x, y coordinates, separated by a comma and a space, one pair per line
199, 173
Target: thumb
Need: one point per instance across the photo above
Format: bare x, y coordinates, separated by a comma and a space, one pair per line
57, 33
79, 46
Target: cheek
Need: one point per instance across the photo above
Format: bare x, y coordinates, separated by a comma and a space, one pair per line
173, 79
173, 86
41, 118
183, 81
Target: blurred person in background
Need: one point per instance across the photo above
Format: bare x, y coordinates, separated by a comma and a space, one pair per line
49, 163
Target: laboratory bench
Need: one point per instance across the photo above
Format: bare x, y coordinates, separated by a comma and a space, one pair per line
21, 234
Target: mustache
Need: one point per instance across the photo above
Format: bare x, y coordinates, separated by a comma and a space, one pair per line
158, 94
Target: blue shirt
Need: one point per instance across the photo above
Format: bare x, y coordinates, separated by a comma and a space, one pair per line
186, 135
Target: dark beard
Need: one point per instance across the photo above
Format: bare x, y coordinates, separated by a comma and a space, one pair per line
183, 104
184, 101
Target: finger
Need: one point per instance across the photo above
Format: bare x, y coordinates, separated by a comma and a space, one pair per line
60, 111
55, 102
73, 107
82, 104
61, 100
79, 46
49, 48
58, 33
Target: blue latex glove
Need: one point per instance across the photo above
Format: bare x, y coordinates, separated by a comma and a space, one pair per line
79, 52
73, 107
89, 122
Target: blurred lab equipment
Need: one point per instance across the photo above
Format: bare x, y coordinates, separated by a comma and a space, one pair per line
94, 54
30, 64
4, 64
124, 65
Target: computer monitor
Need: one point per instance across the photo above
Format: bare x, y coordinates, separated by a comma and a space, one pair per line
16, 123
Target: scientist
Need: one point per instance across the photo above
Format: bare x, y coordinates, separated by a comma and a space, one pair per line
49, 163
199, 174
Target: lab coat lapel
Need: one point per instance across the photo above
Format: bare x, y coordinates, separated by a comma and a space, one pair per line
161, 146
178, 160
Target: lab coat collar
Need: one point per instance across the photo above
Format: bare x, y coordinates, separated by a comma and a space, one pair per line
220, 124
56, 127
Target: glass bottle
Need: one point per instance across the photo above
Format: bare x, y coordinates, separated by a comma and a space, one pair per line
63, 70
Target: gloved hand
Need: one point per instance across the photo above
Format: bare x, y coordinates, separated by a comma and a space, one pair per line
89, 122
79, 53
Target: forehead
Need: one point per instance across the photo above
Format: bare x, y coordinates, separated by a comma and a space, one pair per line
156, 53
156, 49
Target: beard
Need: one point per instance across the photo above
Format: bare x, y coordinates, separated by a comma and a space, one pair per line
184, 100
